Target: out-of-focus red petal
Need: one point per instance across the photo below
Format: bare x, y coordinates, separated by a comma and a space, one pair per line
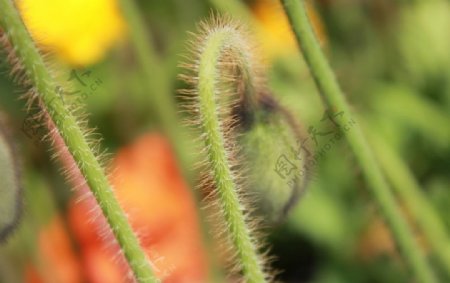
160, 208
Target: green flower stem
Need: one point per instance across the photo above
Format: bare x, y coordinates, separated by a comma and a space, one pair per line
209, 75
153, 70
155, 81
334, 98
410, 192
76, 143
164, 106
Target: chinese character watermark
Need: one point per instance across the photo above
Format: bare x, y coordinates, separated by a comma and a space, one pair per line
35, 130
322, 138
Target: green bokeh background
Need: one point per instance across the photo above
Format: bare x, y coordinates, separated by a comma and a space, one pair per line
392, 59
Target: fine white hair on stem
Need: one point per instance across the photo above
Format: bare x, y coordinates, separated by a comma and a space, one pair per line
223, 75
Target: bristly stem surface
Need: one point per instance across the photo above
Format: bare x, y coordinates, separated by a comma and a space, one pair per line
73, 136
163, 103
220, 40
334, 99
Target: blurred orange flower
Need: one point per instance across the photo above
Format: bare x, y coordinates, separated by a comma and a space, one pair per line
161, 211
274, 31
78, 31
58, 261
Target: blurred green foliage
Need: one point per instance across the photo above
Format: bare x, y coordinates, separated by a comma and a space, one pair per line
392, 59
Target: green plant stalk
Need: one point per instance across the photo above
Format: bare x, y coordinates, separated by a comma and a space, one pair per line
410, 192
155, 81
75, 141
165, 110
153, 70
223, 177
243, 12
334, 98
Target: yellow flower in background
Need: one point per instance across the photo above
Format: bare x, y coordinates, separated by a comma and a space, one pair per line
276, 36
78, 31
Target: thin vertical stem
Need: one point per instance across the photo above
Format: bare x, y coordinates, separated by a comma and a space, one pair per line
334, 98
412, 195
163, 103
152, 67
73, 136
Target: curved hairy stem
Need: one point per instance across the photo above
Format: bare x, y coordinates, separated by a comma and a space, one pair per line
334, 98
159, 94
218, 157
68, 127
221, 55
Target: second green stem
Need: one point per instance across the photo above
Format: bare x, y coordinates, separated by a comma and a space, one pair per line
334, 98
